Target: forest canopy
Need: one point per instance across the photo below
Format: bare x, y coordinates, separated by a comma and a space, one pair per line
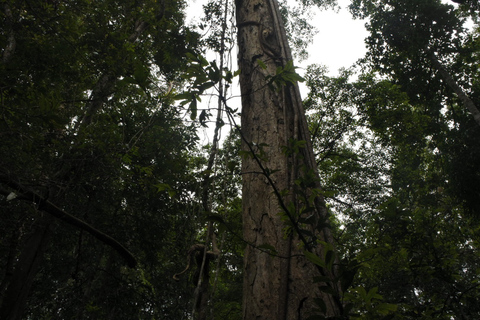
112, 206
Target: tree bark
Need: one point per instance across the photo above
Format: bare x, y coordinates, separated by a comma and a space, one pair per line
447, 77
278, 286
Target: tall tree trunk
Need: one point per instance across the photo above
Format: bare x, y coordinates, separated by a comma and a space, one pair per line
13, 304
464, 98
276, 286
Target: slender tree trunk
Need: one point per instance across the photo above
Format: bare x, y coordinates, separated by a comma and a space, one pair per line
278, 286
29, 261
11, 258
11, 43
447, 77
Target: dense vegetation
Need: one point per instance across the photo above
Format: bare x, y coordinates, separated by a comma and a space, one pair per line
105, 185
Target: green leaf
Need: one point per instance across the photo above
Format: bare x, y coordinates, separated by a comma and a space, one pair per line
162, 186
214, 72
361, 291
315, 259
372, 293
193, 109
184, 96
327, 289
321, 304
386, 308
347, 278
166, 187
191, 56
261, 64
231, 165
330, 259
245, 154
203, 118
140, 73
228, 76
206, 85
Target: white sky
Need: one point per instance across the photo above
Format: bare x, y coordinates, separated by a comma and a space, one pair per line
339, 42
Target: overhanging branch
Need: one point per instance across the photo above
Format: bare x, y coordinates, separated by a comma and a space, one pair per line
44, 205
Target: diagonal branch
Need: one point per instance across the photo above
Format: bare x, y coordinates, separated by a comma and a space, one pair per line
447, 77
48, 207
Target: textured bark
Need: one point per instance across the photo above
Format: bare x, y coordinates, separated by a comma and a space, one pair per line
275, 287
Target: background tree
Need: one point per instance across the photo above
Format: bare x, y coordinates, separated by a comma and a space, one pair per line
104, 187
412, 247
87, 127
